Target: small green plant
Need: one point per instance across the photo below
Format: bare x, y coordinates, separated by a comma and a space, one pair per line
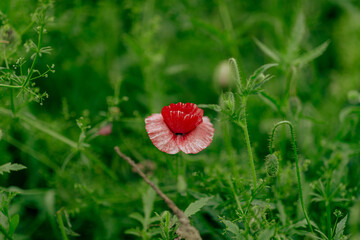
233, 104
16, 75
296, 164
11, 221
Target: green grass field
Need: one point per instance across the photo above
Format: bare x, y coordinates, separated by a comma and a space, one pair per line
275, 154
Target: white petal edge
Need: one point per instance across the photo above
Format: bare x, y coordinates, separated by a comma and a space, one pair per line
160, 135
198, 139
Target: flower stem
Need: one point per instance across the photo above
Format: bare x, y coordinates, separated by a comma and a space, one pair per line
328, 209
244, 127
328, 218
297, 166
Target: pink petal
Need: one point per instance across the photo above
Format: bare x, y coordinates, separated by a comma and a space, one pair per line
198, 139
105, 130
160, 135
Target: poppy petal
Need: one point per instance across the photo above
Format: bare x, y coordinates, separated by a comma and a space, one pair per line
160, 135
182, 117
198, 139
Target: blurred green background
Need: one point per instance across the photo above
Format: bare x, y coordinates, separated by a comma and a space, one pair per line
120, 61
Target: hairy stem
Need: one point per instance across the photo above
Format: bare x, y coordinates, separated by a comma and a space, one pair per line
61, 225
244, 127
186, 230
297, 165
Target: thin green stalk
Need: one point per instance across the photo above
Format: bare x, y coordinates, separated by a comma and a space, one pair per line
228, 145
10, 86
244, 126
297, 166
333, 231
26, 149
328, 218
11, 89
28, 77
5, 233
42, 127
328, 210
12, 99
235, 196
61, 225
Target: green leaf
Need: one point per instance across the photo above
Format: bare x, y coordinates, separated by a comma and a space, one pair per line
269, 52
181, 184
339, 232
297, 34
7, 167
257, 79
148, 199
214, 107
133, 231
210, 29
311, 55
282, 213
14, 222
266, 234
261, 70
233, 228
137, 216
196, 206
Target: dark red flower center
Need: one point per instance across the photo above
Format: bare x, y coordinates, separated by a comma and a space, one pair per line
182, 118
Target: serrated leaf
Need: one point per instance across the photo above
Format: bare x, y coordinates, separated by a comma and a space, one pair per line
14, 222
196, 206
339, 232
269, 52
311, 55
7, 167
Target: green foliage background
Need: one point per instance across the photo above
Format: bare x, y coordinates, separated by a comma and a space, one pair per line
120, 61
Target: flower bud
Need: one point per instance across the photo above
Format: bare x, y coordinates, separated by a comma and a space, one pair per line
272, 165
222, 76
105, 130
228, 102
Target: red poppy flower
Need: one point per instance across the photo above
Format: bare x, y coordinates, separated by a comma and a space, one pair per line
180, 127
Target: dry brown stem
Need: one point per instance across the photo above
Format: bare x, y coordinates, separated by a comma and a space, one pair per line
186, 230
